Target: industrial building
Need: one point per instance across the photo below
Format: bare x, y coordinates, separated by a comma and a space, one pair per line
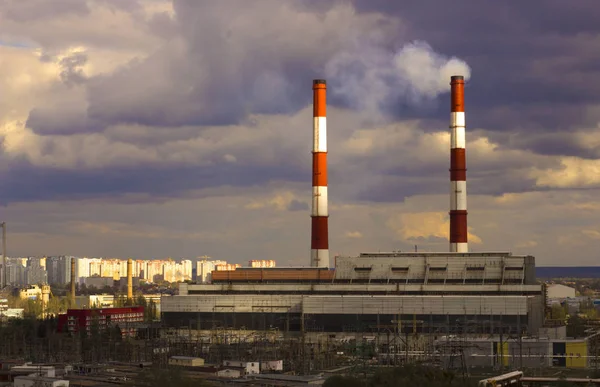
368, 293
558, 291
127, 318
186, 361
376, 292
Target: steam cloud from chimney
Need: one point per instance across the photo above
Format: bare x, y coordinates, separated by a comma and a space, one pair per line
371, 78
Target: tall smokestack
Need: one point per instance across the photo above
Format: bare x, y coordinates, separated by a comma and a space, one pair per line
458, 168
73, 281
319, 255
129, 279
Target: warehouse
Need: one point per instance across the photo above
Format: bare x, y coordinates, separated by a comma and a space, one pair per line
371, 292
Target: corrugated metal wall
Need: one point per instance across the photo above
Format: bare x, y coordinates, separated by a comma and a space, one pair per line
421, 305
233, 303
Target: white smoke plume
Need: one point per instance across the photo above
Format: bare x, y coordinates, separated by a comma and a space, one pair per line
369, 77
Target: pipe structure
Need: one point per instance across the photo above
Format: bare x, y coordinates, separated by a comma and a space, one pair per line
319, 256
458, 168
73, 278
129, 280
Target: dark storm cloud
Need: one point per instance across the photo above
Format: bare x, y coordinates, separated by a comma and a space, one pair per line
71, 73
72, 120
396, 188
66, 112
553, 144
522, 54
25, 183
189, 95
220, 69
225, 60
211, 75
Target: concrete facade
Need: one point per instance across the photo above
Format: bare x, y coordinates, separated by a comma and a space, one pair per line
370, 291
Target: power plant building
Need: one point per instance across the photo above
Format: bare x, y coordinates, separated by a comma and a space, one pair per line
371, 292
375, 292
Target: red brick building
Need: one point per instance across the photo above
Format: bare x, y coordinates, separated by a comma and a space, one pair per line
127, 318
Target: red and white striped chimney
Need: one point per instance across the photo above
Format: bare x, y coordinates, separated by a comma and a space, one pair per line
458, 167
319, 255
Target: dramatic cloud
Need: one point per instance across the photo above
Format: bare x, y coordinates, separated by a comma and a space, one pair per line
423, 226
153, 128
370, 78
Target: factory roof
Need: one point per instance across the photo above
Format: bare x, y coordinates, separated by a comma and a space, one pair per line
437, 254
280, 268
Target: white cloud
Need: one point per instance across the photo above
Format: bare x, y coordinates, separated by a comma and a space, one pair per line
574, 172
354, 234
425, 225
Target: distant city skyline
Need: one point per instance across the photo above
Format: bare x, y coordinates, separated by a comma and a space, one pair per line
100, 272
156, 128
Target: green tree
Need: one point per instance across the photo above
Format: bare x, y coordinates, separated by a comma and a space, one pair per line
32, 308
576, 326
558, 312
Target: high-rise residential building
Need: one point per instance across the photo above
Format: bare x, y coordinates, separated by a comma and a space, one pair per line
16, 272
139, 268
35, 273
87, 267
154, 271
59, 269
177, 271
186, 266
204, 268
95, 267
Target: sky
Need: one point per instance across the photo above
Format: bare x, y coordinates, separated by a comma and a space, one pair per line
153, 129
